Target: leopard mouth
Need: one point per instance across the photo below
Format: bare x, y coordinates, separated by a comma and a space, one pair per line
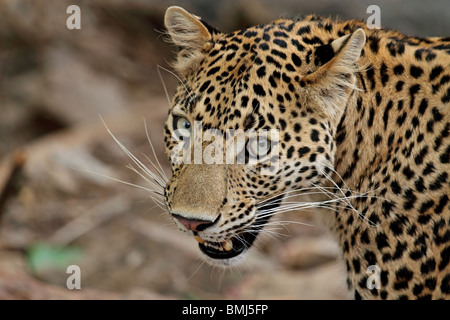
236, 245
229, 248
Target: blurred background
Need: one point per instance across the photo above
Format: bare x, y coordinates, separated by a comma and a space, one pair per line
55, 82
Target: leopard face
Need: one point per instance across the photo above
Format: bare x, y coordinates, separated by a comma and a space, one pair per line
234, 82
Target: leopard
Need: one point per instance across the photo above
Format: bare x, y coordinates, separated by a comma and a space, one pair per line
362, 119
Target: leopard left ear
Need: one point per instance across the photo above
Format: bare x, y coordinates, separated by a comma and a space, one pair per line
331, 85
188, 32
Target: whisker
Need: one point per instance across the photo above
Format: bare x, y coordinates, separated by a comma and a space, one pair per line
196, 270
162, 172
172, 73
284, 223
163, 83
131, 156
339, 176
162, 180
297, 192
296, 209
156, 182
160, 204
156, 205
347, 200
301, 204
242, 240
155, 192
292, 196
272, 233
156, 186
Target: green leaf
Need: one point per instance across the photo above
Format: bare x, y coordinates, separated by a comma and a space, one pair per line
44, 256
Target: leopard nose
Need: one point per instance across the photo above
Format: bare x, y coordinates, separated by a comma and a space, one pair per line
194, 224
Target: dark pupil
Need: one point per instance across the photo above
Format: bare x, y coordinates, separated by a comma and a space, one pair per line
187, 125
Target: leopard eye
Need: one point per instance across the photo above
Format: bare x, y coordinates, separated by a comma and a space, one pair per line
258, 147
182, 126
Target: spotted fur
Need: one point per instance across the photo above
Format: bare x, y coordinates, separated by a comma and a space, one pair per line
368, 107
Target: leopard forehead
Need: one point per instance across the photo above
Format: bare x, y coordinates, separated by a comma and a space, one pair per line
251, 78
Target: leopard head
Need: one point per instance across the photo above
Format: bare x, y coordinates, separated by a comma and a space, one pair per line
253, 118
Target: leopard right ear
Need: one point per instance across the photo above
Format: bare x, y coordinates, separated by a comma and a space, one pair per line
190, 33
332, 83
